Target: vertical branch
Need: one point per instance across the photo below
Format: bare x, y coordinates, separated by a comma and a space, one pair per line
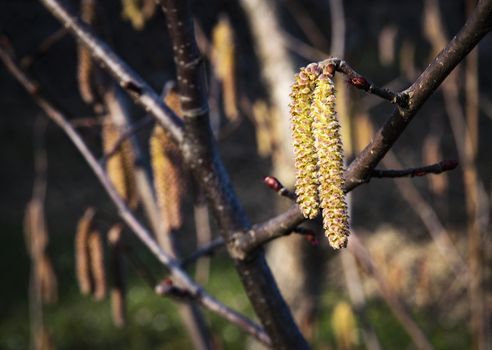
200, 153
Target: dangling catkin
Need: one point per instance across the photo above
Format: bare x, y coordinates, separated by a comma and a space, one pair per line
85, 64
319, 152
329, 149
304, 150
168, 176
96, 255
132, 11
118, 276
169, 180
224, 64
82, 265
116, 164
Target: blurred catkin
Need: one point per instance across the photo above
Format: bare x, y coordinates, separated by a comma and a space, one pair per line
137, 12
344, 326
224, 65
329, 148
264, 137
82, 266
85, 65
96, 255
302, 134
120, 165
167, 168
118, 276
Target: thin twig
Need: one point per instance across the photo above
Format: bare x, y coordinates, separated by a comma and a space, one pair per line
29, 59
206, 250
360, 82
134, 129
142, 233
438, 168
167, 288
129, 80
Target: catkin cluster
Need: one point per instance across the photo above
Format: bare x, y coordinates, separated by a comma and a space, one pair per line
319, 152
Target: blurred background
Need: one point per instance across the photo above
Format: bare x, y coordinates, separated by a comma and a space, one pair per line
417, 270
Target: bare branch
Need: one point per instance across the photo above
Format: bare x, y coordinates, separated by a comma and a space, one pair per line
167, 288
200, 153
129, 80
476, 27
360, 82
142, 233
438, 168
29, 59
206, 250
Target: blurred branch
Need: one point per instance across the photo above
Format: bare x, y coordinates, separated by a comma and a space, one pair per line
129, 80
167, 288
206, 250
438, 168
30, 58
128, 217
396, 306
200, 154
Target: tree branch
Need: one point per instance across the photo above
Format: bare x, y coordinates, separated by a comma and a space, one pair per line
140, 231
438, 168
167, 288
129, 80
360, 82
475, 28
201, 155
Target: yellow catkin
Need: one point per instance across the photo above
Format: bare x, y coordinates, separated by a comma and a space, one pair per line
116, 164
264, 137
132, 12
329, 150
118, 309
82, 265
96, 255
224, 64
168, 177
128, 160
85, 65
303, 141
344, 326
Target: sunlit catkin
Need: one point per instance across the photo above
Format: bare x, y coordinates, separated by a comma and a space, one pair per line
82, 264
169, 179
303, 140
329, 150
224, 64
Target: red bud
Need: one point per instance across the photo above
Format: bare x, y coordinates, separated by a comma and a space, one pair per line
359, 82
273, 183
